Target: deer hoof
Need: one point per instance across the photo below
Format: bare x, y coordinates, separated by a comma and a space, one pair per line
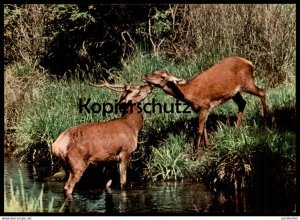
108, 184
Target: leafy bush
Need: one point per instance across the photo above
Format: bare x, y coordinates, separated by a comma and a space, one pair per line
95, 38
24, 39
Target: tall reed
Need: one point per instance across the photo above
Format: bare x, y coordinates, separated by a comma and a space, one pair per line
16, 199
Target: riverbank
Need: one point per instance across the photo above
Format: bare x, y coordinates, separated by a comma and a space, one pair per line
165, 142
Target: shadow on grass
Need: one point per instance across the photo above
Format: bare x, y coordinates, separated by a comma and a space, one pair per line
285, 118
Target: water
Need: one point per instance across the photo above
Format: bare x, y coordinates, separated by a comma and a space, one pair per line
143, 198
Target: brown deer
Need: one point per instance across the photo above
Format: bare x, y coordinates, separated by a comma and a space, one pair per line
113, 140
206, 90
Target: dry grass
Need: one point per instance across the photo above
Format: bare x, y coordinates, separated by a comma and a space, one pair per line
264, 34
22, 85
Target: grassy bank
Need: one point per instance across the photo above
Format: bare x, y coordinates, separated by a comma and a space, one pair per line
165, 148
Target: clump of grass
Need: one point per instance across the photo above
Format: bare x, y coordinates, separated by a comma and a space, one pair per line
144, 62
283, 96
17, 200
23, 84
171, 161
237, 149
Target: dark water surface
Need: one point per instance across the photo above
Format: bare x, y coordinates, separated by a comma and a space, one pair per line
145, 198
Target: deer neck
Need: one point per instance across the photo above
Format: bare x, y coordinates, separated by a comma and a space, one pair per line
134, 117
176, 90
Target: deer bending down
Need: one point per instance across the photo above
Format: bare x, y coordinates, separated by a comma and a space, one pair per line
116, 139
206, 90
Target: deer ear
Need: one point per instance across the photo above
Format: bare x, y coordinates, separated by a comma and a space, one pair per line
181, 81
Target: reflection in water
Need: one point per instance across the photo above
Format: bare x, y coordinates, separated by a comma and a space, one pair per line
123, 202
150, 198
162, 198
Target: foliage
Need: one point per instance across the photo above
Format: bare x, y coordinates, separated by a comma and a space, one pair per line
71, 15
24, 39
95, 38
107, 39
161, 22
23, 84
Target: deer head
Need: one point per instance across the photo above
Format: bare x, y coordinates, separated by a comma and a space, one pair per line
128, 93
161, 78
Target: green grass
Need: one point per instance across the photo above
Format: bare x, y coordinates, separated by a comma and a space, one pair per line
236, 151
17, 200
171, 160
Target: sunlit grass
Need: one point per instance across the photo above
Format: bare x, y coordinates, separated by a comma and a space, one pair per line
171, 161
16, 199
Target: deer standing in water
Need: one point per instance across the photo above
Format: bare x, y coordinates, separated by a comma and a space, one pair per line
206, 90
113, 140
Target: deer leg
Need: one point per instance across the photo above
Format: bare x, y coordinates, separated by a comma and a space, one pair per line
241, 103
65, 168
77, 169
201, 127
263, 98
123, 169
205, 137
69, 185
254, 90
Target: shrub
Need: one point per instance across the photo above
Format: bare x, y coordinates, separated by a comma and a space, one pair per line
24, 27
